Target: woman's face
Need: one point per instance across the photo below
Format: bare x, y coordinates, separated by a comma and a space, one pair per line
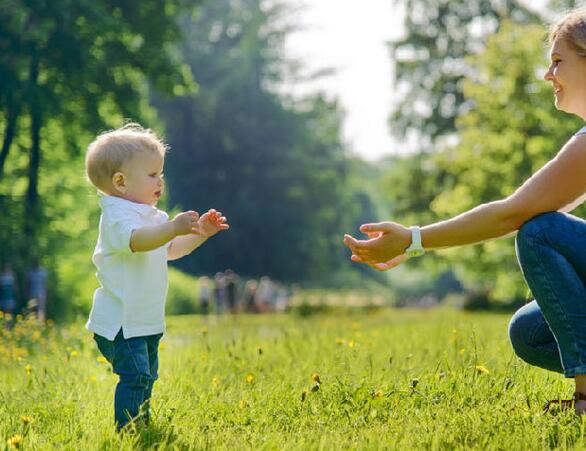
567, 73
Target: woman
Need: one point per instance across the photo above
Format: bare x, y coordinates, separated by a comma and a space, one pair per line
549, 332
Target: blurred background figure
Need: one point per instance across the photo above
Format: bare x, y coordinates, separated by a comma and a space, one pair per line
264, 294
250, 296
8, 289
36, 290
281, 298
219, 292
204, 294
231, 283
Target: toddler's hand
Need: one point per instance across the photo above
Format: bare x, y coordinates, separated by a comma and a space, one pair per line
186, 223
211, 223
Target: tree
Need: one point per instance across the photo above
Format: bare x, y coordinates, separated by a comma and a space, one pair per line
275, 166
67, 73
430, 60
511, 132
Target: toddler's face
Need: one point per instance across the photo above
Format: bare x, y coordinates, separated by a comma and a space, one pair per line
143, 178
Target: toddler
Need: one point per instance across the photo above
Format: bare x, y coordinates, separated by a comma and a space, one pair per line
135, 241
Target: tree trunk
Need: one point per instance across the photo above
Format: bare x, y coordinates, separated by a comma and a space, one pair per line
9, 133
31, 211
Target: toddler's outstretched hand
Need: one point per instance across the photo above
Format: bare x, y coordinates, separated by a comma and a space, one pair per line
186, 222
211, 223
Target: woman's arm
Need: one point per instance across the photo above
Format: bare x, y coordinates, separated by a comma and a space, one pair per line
558, 185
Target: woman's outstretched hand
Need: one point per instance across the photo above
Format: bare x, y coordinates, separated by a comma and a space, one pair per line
384, 249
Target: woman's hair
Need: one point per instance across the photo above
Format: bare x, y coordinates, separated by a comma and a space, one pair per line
107, 153
572, 29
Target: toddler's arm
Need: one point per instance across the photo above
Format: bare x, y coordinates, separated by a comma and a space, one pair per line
152, 237
208, 225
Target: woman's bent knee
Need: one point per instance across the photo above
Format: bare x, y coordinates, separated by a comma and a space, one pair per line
535, 225
522, 328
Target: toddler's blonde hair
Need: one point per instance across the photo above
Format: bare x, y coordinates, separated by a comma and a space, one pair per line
108, 152
572, 29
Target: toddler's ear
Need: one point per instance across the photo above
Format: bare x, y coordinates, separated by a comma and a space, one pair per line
118, 182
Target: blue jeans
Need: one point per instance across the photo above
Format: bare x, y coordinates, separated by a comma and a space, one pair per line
550, 332
136, 361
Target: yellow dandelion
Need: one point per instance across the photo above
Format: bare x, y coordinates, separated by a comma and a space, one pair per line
249, 378
216, 382
28, 368
351, 343
243, 404
102, 359
74, 353
162, 346
378, 394
15, 441
315, 378
480, 369
93, 378
26, 419
340, 341
462, 351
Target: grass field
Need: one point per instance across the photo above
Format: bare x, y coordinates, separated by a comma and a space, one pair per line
396, 379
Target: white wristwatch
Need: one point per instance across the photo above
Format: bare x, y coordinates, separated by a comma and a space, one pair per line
416, 249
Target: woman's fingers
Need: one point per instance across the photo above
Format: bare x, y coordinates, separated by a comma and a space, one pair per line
391, 263
377, 227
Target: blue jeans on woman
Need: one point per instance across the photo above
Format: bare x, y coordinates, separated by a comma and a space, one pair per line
136, 361
550, 332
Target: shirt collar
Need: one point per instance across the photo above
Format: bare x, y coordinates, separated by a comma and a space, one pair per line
115, 201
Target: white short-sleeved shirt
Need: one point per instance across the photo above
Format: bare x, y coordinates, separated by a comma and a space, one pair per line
133, 285
582, 131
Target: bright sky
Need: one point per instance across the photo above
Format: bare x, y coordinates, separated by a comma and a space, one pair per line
351, 36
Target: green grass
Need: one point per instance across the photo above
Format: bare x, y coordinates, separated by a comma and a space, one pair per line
389, 379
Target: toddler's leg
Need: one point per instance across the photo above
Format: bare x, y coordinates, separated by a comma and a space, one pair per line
131, 363
153, 351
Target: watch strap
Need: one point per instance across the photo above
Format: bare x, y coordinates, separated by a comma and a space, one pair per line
416, 248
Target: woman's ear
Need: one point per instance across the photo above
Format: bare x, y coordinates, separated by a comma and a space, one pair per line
119, 182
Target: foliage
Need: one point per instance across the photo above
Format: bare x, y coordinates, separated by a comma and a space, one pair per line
505, 148
183, 297
430, 64
439, 380
274, 166
68, 73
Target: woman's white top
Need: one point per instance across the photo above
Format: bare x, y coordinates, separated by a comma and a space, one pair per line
133, 285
